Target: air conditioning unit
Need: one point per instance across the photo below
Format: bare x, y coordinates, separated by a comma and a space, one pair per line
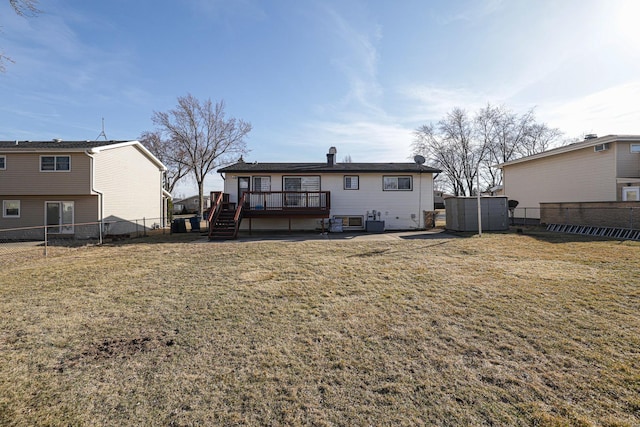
600, 147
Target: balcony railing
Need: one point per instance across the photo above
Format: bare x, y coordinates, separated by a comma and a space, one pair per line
287, 203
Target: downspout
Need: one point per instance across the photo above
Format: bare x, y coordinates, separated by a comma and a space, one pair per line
100, 194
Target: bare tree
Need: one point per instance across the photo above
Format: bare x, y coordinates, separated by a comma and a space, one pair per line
22, 8
453, 147
202, 136
462, 147
170, 154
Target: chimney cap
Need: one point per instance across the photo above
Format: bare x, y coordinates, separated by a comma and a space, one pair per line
333, 150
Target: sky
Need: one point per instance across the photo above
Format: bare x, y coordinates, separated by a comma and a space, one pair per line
360, 75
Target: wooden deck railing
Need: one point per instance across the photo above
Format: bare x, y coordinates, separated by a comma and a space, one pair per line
216, 206
287, 203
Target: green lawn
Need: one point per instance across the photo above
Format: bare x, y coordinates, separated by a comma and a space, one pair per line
507, 329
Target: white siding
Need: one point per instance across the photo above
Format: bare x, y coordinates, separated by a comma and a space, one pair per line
575, 176
628, 162
401, 210
131, 186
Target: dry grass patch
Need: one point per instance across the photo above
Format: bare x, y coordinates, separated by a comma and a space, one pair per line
503, 330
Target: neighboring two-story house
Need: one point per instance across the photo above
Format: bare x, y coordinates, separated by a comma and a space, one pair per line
74, 187
298, 196
595, 173
593, 170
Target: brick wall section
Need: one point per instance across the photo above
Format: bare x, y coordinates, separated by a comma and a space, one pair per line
594, 214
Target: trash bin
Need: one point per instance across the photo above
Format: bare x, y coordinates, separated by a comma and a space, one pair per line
195, 223
178, 225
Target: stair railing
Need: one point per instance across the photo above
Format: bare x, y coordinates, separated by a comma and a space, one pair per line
237, 218
216, 208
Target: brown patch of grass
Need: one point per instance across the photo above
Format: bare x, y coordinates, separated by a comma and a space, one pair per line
502, 330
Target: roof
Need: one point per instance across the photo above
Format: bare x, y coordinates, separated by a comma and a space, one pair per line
575, 146
91, 147
326, 168
55, 144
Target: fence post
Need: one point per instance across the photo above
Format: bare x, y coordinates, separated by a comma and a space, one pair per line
137, 232
45, 240
144, 226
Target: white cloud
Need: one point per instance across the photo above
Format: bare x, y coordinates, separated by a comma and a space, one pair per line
432, 103
611, 111
357, 58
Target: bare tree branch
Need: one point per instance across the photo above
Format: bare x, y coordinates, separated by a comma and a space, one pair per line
462, 147
24, 8
199, 138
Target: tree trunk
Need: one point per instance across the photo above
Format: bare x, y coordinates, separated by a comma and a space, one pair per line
201, 198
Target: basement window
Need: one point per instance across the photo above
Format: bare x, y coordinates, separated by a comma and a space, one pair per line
351, 221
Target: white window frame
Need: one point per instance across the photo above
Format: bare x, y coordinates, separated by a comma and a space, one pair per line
353, 182
63, 227
55, 164
634, 148
627, 190
5, 207
392, 183
3, 166
261, 184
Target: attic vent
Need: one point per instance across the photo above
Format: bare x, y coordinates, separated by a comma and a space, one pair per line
590, 136
600, 147
57, 140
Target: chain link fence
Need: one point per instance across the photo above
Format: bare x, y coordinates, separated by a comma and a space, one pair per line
37, 241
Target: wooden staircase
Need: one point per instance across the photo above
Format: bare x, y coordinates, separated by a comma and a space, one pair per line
224, 217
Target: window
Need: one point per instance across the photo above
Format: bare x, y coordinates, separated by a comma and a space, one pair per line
262, 183
630, 194
59, 217
635, 148
351, 182
397, 183
301, 183
3, 163
55, 163
351, 221
11, 208
295, 184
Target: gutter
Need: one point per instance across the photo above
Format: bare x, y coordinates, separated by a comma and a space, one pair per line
95, 190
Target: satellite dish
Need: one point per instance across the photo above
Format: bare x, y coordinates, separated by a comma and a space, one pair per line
419, 159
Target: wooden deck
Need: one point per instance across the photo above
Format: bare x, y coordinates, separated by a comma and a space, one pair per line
287, 204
